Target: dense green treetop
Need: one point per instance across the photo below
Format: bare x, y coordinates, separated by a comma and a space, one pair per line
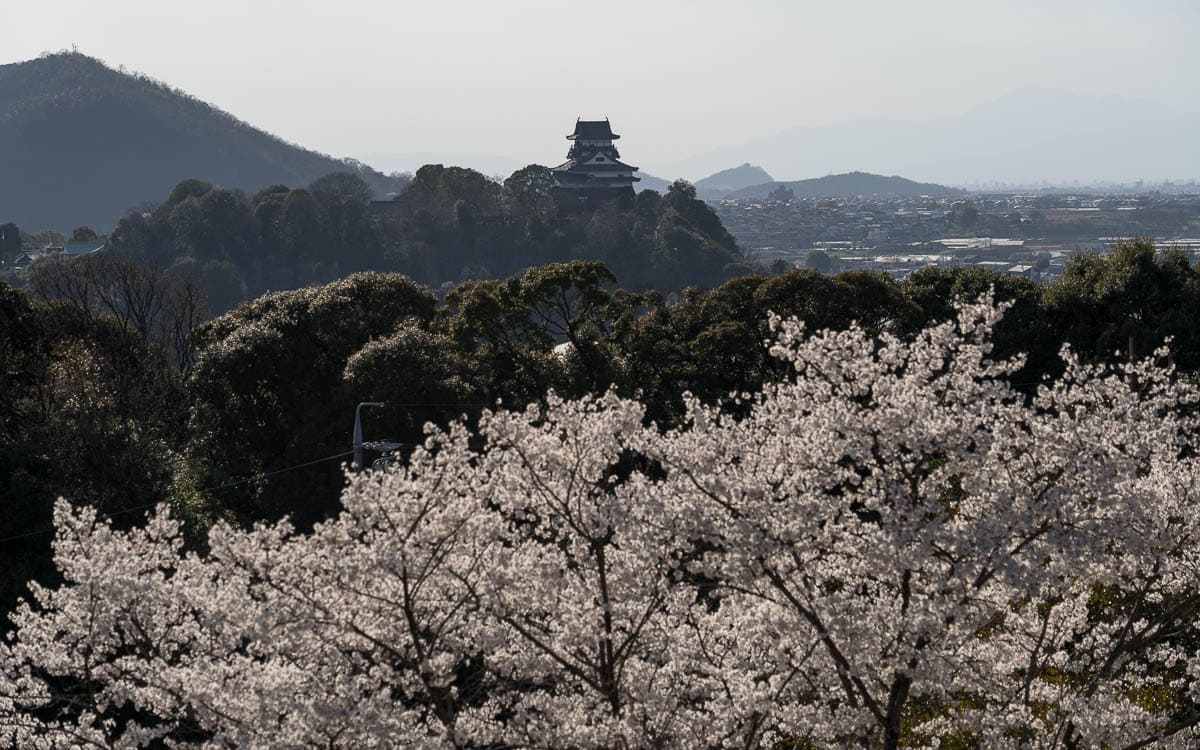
12, 244
450, 225
819, 260
88, 409
1130, 301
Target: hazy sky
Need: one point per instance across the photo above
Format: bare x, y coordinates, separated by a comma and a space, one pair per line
676, 77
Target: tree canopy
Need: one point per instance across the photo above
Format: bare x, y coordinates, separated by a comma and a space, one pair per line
890, 547
450, 224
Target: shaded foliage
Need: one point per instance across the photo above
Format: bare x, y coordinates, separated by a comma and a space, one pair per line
266, 387
88, 409
450, 225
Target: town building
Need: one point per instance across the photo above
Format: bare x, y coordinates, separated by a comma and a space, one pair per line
594, 168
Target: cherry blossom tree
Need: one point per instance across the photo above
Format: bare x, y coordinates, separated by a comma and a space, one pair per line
893, 548
956, 559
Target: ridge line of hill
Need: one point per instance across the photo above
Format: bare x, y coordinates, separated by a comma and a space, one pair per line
847, 184
89, 142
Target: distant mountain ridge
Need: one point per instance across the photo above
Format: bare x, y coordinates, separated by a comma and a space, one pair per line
81, 143
848, 185
730, 180
1028, 136
650, 182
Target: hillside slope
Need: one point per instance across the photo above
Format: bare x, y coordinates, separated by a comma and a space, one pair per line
850, 184
81, 143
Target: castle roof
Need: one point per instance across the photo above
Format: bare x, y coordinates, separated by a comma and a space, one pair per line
574, 165
593, 130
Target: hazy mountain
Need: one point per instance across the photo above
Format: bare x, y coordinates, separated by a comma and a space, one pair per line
81, 143
848, 185
650, 182
729, 180
1028, 136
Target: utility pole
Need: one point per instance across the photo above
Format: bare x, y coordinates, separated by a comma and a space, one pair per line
383, 446
358, 433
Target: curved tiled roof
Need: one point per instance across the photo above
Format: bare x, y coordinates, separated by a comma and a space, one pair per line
587, 167
593, 130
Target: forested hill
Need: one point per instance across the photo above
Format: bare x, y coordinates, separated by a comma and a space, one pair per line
848, 185
81, 143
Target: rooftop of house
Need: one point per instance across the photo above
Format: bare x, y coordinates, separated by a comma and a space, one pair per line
83, 248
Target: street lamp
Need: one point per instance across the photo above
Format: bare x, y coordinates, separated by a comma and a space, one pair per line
358, 433
383, 446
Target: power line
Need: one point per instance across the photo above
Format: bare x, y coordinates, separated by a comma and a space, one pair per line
253, 477
227, 485
435, 403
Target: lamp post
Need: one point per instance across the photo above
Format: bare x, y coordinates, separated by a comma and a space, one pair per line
358, 433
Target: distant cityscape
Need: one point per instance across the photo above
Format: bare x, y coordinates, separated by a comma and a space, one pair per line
1022, 234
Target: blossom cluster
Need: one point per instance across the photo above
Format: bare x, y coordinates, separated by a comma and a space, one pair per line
891, 548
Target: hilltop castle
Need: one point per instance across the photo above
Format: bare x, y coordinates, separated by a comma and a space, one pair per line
594, 168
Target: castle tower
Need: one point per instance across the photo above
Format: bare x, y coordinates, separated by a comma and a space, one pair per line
594, 167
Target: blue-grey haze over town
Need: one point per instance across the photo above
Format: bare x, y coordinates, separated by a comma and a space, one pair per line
1036, 92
